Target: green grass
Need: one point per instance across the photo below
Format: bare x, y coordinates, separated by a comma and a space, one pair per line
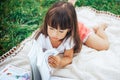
19, 18
112, 6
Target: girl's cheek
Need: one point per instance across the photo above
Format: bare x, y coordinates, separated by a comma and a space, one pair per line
61, 37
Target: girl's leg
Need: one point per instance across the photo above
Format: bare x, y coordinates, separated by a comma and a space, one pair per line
100, 31
99, 40
72, 1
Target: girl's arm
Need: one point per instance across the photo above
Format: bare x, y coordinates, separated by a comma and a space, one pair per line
60, 62
99, 40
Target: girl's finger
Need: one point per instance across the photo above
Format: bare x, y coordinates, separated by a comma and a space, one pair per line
52, 58
52, 64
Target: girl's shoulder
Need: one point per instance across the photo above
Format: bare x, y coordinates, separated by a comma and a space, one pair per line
41, 36
42, 39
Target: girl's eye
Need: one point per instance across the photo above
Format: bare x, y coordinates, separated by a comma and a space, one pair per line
52, 28
61, 31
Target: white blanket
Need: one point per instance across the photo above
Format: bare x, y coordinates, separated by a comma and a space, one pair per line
89, 64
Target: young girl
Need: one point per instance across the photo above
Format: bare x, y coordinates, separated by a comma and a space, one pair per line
98, 39
60, 31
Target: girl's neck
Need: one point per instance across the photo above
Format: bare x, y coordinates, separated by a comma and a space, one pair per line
55, 44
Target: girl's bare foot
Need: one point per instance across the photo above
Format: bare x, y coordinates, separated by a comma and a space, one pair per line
102, 27
72, 1
95, 29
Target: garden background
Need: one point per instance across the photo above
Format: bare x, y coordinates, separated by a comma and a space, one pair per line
19, 18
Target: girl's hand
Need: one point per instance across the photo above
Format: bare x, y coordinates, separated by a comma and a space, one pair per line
54, 61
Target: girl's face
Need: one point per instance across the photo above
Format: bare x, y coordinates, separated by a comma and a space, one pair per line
56, 34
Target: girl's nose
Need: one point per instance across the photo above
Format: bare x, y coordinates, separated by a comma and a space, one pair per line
55, 33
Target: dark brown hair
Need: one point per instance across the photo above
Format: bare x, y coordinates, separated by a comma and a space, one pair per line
63, 14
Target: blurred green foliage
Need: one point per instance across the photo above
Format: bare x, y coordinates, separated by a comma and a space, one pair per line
19, 18
104, 5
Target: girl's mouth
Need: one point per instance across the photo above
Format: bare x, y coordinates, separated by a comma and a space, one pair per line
54, 38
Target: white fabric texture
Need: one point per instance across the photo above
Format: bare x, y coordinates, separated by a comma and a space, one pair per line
45, 43
89, 64
33, 60
39, 61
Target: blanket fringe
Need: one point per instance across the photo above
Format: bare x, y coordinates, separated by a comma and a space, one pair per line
99, 11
